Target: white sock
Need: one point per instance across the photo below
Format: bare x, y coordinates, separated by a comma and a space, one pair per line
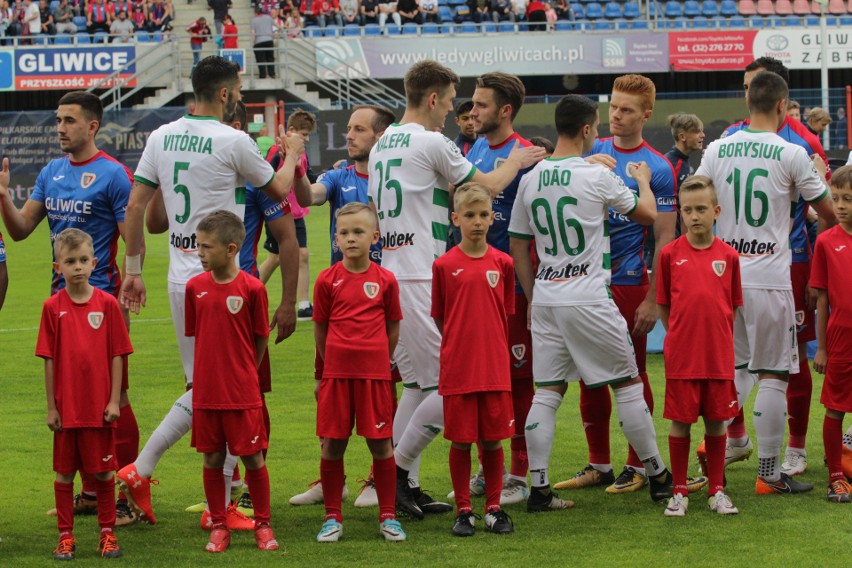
304, 304
414, 472
638, 427
540, 431
770, 421
602, 467
847, 439
407, 404
425, 424
173, 427
800, 451
228, 472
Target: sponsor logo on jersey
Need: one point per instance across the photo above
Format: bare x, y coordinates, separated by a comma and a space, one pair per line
682, 261
752, 247
57, 178
87, 179
493, 277
338, 283
183, 242
519, 350
234, 303
106, 459
840, 248
669, 200
254, 440
62, 314
371, 289
96, 319
347, 188
800, 317
568, 272
201, 295
58, 205
499, 162
458, 271
393, 241
719, 267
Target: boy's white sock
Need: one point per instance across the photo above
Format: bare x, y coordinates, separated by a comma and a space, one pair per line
540, 430
173, 427
638, 427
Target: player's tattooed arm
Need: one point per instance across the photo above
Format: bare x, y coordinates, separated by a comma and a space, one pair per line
156, 219
19, 223
54, 421
821, 356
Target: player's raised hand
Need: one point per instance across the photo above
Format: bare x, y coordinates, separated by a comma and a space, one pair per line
133, 293
111, 412
294, 144
820, 165
4, 174
640, 172
54, 421
285, 320
526, 156
604, 160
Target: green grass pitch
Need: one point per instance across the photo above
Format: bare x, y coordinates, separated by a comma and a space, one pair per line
602, 530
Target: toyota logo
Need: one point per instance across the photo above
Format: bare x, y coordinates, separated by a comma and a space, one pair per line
776, 42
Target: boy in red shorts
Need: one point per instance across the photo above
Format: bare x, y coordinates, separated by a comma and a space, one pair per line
226, 312
83, 386
473, 290
356, 324
698, 291
829, 274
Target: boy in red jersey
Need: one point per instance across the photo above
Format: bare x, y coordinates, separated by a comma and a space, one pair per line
698, 291
829, 269
226, 312
356, 324
473, 290
83, 426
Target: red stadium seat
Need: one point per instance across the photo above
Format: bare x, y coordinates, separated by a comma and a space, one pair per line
801, 7
747, 8
783, 7
836, 7
764, 7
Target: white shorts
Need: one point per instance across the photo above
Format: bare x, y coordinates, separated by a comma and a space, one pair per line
765, 332
186, 345
418, 336
589, 343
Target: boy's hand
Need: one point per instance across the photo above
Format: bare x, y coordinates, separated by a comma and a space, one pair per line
54, 421
284, 319
316, 389
604, 160
111, 412
526, 157
820, 361
641, 172
811, 296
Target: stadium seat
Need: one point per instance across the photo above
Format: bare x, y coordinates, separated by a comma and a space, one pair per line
655, 9
578, 11
836, 7
755, 21
621, 24
82, 38
372, 30
157, 36
333, 30
594, 11
846, 20
100, 37
746, 7
673, 9
455, 2
461, 13
430, 28
62, 39
640, 24
783, 7
448, 28
801, 7
612, 10
775, 21
792, 20
391, 29
701, 23
80, 22
352, 30
468, 28
564, 26
632, 10
446, 13
679, 23
600, 25
812, 21
142, 36
410, 28
489, 27
737, 22
849, 7
53, 5
509, 27
691, 9
728, 8
709, 8
831, 21
312, 31
765, 7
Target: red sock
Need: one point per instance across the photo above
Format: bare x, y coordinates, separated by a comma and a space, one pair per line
267, 424
492, 468
88, 483
679, 463
460, 475
258, 482
633, 459
596, 409
331, 476
214, 492
799, 404
384, 478
106, 502
715, 446
832, 438
520, 460
236, 477
63, 494
737, 427
126, 438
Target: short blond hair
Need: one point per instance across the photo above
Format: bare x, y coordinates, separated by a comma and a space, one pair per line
699, 183
469, 193
842, 178
224, 226
683, 122
819, 114
70, 239
354, 208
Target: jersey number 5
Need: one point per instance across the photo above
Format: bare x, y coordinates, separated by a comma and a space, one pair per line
182, 190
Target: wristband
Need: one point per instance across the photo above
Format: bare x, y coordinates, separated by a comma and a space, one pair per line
133, 265
298, 173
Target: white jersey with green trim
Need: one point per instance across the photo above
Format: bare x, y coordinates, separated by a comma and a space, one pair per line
201, 166
564, 205
410, 172
759, 177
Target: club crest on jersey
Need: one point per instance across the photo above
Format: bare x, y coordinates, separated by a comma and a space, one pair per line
719, 267
800, 318
493, 277
234, 303
628, 169
499, 162
96, 319
87, 179
371, 289
519, 351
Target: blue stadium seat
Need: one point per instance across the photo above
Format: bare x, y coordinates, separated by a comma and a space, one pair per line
142, 36
691, 9
391, 29
678, 23
846, 20
612, 10
621, 24
728, 8
601, 25
448, 28
564, 26
62, 39
100, 37
446, 13
488, 27
461, 13
430, 28
352, 30
372, 30
812, 20
80, 22
709, 8
737, 22
578, 11
756, 21
632, 10
831, 20
640, 24
53, 5
775, 21
82, 38
333, 30
508, 27
701, 23
468, 28
312, 31
673, 9
594, 11
455, 2
410, 28
792, 20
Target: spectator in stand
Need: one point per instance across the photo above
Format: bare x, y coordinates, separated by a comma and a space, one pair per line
220, 9
840, 129
6, 15
16, 10
502, 10
388, 10
229, 33
429, 12
117, 6
479, 10
520, 9
262, 40
78, 7
31, 21
562, 9
269, 5
330, 13
46, 19
294, 23
537, 16
409, 11
818, 120
794, 110
139, 15
550, 14
350, 12
98, 17
121, 29
159, 16
278, 21
369, 12
199, 32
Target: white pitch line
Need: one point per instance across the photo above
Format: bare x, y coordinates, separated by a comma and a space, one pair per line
149, 320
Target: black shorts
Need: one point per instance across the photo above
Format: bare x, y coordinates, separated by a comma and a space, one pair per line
301, 237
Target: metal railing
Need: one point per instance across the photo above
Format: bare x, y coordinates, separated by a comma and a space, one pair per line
115, 84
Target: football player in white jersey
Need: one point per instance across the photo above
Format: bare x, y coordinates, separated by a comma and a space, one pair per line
759, 177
